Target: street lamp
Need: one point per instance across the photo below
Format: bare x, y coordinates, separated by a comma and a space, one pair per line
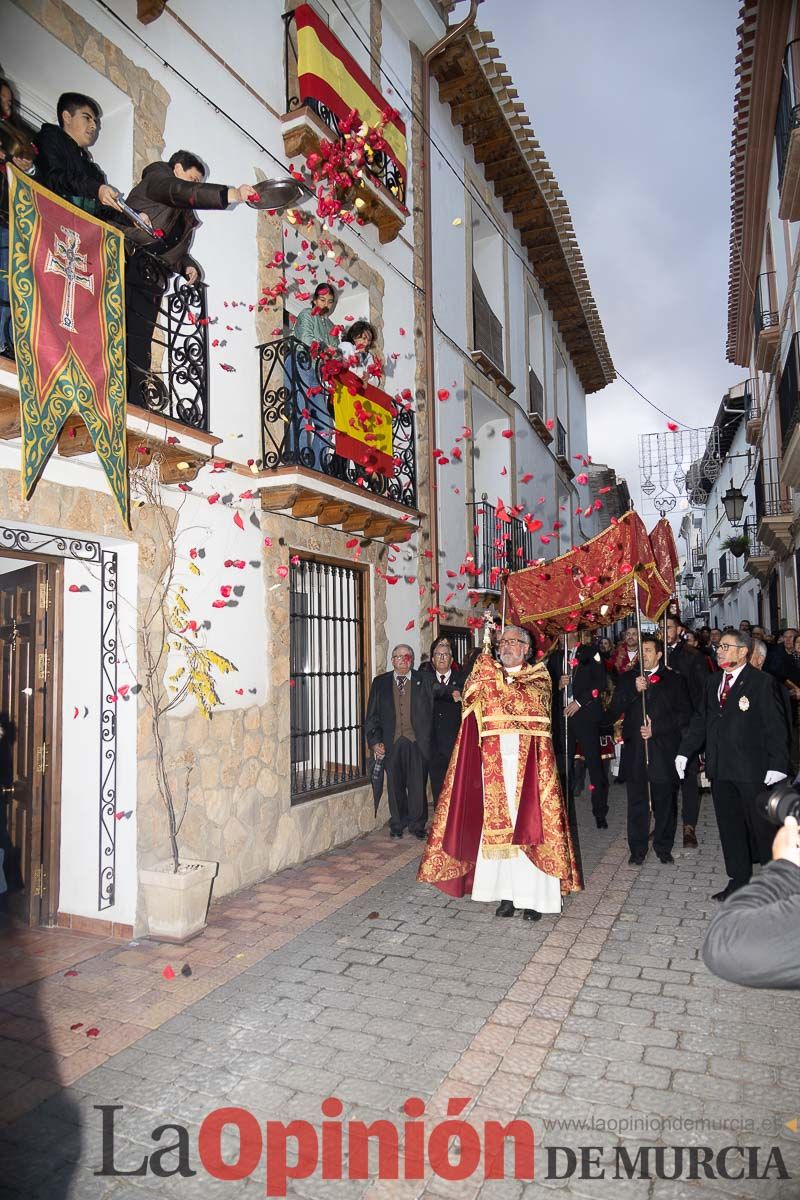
688, 581
733, 501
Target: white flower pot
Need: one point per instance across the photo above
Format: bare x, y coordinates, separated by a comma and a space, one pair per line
176, 905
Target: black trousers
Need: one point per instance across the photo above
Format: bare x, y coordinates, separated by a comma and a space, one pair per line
437, 769
664, 798
589, 737
746, 836
143, 297
405, 777
690, 793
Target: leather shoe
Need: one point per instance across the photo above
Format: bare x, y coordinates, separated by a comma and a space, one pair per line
726, 891
395, 833
636, 860
421, 834
530, 914
505, 909
689, 838
666, 858
602, 823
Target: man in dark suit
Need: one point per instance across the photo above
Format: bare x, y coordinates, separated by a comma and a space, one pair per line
447, 685
398, 728
584, 708
742, 724
649, 749
691, 665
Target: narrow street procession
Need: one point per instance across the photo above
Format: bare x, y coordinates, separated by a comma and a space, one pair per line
400, 692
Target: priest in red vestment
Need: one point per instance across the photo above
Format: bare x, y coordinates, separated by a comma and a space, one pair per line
501, 832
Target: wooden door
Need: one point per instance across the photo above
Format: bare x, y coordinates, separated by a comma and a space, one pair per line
23, 751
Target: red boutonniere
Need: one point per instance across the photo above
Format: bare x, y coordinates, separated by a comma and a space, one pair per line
655, 678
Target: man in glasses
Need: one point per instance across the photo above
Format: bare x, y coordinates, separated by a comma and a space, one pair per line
398, 728
500, 831
742, 725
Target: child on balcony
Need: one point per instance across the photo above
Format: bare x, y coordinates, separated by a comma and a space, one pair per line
357, 354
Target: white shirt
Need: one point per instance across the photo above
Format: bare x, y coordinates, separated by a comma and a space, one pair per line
734, 676
444, 678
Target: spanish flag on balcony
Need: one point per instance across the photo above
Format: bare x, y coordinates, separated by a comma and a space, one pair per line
66, 275
362, 416
327, 73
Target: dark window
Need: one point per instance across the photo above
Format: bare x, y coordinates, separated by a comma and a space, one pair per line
535, 394
326, 670
461, 641
561, 440
487, 330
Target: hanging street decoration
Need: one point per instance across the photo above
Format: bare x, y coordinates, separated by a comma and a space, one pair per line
67, 293
679, 465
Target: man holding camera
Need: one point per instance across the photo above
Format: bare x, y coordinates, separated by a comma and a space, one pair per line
754, 940
742, 724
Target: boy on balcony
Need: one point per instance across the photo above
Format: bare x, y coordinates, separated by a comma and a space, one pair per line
64, 164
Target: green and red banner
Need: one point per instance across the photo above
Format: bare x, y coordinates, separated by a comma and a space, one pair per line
66, 276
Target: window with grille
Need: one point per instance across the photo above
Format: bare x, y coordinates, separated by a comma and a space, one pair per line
327, 661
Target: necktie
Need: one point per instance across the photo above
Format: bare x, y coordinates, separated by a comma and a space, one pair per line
726, 687
401, 682
442, 679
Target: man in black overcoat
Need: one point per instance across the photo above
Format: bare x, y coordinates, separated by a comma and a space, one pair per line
742, 724
584, 690
448, 683
398, 729
691, 664
668, 713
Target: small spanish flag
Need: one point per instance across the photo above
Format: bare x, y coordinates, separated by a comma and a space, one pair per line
363, 423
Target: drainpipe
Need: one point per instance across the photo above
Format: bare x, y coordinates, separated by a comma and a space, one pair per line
427, 228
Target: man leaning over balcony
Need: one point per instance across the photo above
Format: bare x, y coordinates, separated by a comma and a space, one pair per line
167, 195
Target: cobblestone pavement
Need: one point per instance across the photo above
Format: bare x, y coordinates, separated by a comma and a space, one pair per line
388, 990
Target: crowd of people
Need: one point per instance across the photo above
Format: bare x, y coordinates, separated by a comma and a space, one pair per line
700, 708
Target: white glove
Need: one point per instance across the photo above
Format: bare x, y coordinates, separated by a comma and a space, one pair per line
774, 777
680, 765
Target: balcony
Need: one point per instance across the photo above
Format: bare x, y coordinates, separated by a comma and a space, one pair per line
789, 411
536, 408
698, 556
730, 571
774, 509
562, 450
500, 545
753, 417
766, 320
787, 136
168, 408
715, 589
302, 472
314, 111
758, 559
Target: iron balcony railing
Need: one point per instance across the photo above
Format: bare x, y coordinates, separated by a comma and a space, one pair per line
713, 581
771, 498
789, 393
176, 384
381, 167
698, 556
500, 545
297, 425
535, 395
788, 117
755, 548
561, 441
765, 310
729, 569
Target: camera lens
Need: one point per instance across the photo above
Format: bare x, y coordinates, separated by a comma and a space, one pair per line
781, 802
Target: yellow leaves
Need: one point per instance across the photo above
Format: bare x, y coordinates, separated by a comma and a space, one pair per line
193, 567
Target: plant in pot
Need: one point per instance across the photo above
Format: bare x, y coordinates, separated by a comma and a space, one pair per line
738, 544
174, 666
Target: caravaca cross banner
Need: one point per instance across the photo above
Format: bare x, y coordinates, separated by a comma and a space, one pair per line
362, 416
591, 585
327, 74
67, 301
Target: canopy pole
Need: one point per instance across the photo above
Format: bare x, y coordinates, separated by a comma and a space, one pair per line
644, 694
